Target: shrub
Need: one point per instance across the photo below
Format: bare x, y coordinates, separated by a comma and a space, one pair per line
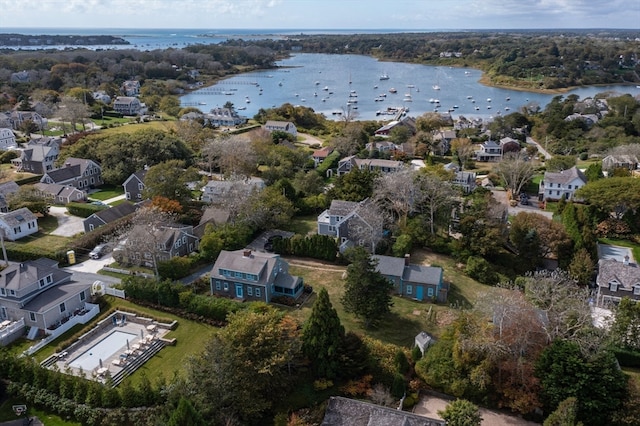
481, 270
403, 245
284, 300
176, 267
84, 209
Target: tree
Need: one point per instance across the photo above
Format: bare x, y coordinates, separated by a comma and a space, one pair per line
581, 267
322, 337
353, 186
169, 180
614, 195
565, 415
268, 208
248, 360
30, 197
515, 171
551, 237
461, 413
463, 149
185, 415
73, 111
625, 330
233, 155
560, 163
396, 192
367, 292
595, 380
434, 197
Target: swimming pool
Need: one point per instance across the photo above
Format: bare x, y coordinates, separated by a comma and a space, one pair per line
102, 350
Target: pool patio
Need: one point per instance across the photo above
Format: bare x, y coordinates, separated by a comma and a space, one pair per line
115, 348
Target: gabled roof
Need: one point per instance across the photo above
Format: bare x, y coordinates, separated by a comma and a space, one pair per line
422, 274
564, 177
341, 207
625, 274
114, 213
20, 275
255, 263
350, 412
18, 217
139, 175
54, 296
7, 188
322, 152
389, 265
64, 174
57, 190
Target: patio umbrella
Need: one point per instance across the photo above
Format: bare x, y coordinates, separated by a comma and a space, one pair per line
141, 333
100, 360
128, 344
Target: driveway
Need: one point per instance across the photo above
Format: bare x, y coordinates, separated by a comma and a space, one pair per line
429, 406
501, 196
68, 225
92, 265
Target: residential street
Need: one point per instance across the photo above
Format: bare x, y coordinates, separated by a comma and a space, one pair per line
541, 150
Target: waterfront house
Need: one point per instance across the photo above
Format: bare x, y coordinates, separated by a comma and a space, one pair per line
127, 105
227, 117
281, 126
253, 276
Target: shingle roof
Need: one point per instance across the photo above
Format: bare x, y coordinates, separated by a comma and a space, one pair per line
255, 263
350, 412
19, 275
18, 217
422, 274
564, 177
341, 207
389, 265
115, 213
610, 270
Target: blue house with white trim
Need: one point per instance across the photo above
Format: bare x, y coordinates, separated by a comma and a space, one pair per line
253, 276
415, 281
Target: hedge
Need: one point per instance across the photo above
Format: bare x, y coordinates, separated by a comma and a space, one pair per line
316, 246
627, 357
84, 209
29, 180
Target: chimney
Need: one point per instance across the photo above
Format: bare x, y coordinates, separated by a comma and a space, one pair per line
67, 164
407, 259
246, 253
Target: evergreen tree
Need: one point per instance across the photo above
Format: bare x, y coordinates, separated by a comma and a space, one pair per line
185, 415
367, 292
461, 413
322, 337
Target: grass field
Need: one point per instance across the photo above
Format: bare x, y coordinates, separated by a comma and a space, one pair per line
134, 127
408, 317
107, 191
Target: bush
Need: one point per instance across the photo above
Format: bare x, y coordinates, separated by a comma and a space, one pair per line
627, 357
403, 245
83, 209
176, 267
481, 270
284, 300
316, 246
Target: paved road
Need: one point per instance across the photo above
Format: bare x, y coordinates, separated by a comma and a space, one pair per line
540, 148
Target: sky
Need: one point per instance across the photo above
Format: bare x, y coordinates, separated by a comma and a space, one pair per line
321, 14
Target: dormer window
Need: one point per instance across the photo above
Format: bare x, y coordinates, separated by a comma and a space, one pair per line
41, 282
613, 286
636, 290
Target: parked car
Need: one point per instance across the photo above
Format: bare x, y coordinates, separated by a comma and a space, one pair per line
98, 251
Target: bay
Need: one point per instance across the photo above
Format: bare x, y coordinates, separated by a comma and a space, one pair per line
326, 83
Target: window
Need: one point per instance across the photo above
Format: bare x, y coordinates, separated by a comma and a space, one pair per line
82, 296
91, 227
3, 292
49, 279
140, 186
409, 289
218, 285
12, 292
613, 286
250, 291
238, 274
62, 307
636, 290
569, 186
226, 286
258, 292
32, 316
430, 291
557, 192
41, 282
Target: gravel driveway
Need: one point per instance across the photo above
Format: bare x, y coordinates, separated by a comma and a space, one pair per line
68, 225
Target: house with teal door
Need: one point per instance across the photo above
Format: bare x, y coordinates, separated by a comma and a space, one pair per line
418, 282
251, 276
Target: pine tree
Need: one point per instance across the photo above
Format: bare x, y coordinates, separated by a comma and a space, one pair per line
322, 337
185, 415
367, 292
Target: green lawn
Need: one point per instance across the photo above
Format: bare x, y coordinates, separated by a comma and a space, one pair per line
303, 225
107, 191
41, 241
408, 317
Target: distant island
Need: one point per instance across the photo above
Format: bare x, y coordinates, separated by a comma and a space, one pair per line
58, 40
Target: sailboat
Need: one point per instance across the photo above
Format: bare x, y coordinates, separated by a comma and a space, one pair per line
437, 85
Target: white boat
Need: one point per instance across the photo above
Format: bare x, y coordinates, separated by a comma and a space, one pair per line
431, 100
317, 83
325, 88
410, 86
202, 103
469, 97
507, 108
488, 99
477, 108
384, 76
436, 87
392, 90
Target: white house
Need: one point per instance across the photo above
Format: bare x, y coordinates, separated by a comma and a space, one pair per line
18, 223
281, 126
127, 105
7, 139
557, 185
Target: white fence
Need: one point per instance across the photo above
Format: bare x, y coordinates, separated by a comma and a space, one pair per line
114, 292
92, 311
